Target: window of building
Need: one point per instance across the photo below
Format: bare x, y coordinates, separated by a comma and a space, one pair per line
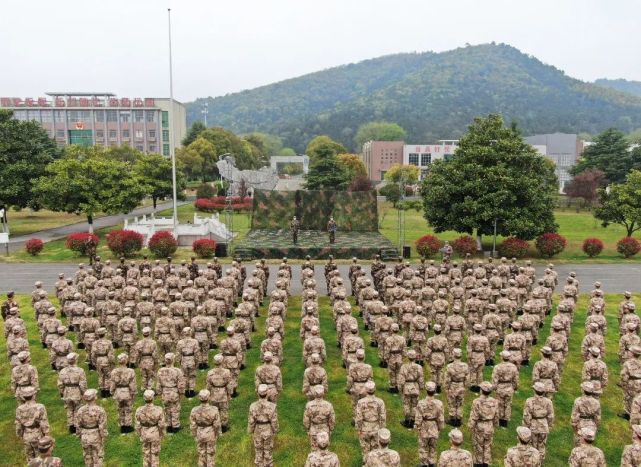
100, 134
152, 148
46, 115
165, 149
33, 115
413, 159
426, 159
112, 116
140, 147
99, 115
138, 116
165, 119
165, 135
138, 134
124, 117
58, 116
72, 116
125, 134
152, 134
60, 134
150, 116
20, 114
113, 134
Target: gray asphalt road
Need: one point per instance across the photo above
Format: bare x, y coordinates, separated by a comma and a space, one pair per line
615, 278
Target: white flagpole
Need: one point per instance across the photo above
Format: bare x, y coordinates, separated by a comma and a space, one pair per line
172, 151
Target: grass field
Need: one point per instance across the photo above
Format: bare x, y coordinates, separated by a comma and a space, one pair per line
235, 446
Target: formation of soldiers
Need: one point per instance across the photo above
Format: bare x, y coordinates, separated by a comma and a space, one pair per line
164, 320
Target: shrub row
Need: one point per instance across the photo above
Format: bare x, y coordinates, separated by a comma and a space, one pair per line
219, 203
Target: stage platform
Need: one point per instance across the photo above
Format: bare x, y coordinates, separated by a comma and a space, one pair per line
278, 243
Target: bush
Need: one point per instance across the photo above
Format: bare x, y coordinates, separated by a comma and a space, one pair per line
206, 191
392, 193
163, 244
428, 245
82, 242
592, 247
204, 247
464, 245
513, 247
124, 242
34, 246
360, 183
218, 203
550, 244
628, 246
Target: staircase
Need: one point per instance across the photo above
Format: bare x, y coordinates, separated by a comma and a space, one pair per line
244, 253
389, 254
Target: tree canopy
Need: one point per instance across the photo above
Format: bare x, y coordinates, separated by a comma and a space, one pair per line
494, 174
585, 185
407, 174
321, 146
379, 131
620, 203
353, 165
154, 173
610, 153
25, 151
194, 132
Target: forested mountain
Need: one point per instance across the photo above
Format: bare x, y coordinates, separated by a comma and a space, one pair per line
432, 95
633, 87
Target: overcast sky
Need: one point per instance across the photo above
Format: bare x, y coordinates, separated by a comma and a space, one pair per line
223, 46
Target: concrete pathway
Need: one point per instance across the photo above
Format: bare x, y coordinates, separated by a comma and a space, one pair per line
17, 243
616, 278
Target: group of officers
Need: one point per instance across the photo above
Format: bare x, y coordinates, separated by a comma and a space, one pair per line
180, 310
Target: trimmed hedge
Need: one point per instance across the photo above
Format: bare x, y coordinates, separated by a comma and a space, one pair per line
513, 247
163, 244
124, 242
592, 247
219, 203
204, 247
628, 246
550, 244
464, 245
428, 245
82, 242
34, 246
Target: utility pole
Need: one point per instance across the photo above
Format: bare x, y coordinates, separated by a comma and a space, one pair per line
172, 151
205, 112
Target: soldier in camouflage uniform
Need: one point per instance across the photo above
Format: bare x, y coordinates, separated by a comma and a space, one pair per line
269, 375
262, 425
220, 386
411, 382
429, 421
523, 454
538, 416
370, 416
232, 356
456, 455
92, 429
358, 374
437, 356
205, 426
457, 376
45, 458
484, 417
631, 379
150, 427
383, 455
586, 411
319, 416
478, 352
321, 456
595, 369
188, 352
505, 379
585, 454
72, 384
59, 349
24, 375
31, 422
123, 388
170, 384
145, 356
314, 375
632, 452
102, 357
393, 354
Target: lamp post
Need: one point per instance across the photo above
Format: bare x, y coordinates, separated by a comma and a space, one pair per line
172, 152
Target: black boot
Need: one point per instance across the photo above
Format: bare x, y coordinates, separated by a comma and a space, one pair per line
475, 388
104, 393
410, 423
92, 367
624, 415
44, 346
503, 423
459, 422
438, 388
212, 346
393, 390
535, 341
526, 362
123, 429
373, 344
81, 345
221, 328
451, 421
72, 429
383, 365
225, 428
234, 394
188, 394
499, 342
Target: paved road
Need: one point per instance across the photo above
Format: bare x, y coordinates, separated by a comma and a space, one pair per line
17, 243
615, 278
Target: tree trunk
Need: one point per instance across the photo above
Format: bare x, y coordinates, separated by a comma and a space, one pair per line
90, 222
154, 199
630, 229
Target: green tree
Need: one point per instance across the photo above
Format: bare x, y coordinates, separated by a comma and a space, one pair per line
269, 145
154, 172
286, 152
322, 145
611, 154
25, 151
379, 131
199, 159
194, 132
87, 181
226, 142
353, 165
494, 175
403, 174
326, 172
621, 203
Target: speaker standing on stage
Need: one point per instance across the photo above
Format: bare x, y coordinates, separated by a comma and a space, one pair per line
294, 227
331, 229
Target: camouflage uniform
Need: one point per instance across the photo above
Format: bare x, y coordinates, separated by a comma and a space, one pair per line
429, 421
188, 353
478, 352
58, 350
262, 424
595, 369
31, 422
393, 354
170, 384
23, 376
383, 455
631, 378
505, 379
205, 426
358, 374
586, 411
145, 356
312, 345
92, 429
411, 382
370, 416
457, 376
319, 416
523, 454
547, 372
484, 417
586, 455
45, 459
269, 375
632, 452
437, 355
538, 416
72, 384
315, 375
123, 388
455, 456
321, 457
102, 357
150, 427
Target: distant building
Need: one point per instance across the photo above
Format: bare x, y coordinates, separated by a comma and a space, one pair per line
422, 155
379, 156
561, 148
95, 118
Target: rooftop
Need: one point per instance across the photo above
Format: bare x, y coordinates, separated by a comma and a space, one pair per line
83, 94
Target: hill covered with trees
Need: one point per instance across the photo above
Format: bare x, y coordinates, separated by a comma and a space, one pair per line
431, 95
632, 87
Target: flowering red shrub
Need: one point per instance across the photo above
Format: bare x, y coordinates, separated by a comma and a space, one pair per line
218, 203
204, 247
513, 247
464, 245
550, 244
592, 247
163, 244
82, 242
34, 246
428, 245
628, 246
124, 242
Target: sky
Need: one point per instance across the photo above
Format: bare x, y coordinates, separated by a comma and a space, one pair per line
225, 46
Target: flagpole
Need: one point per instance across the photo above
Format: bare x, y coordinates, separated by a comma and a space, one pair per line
172, 151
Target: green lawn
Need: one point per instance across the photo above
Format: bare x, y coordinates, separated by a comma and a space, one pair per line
25, 221
235, 447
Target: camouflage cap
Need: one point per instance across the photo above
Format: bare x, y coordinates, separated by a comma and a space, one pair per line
267, 356
411, 354
636, 429
203, 395
322, 439
384, 435
546, 350
430, 387
505, 355
90, 394
45, 443
28, 392
539, 387
524, 434
437, 327
486, 386
23, 355
587, 433
457, 353
360, 353
318, 390
218, 358
594, 351
478, 327
146, 331
123, 357
262, 389
148, 395
631, 326
635, 349
72, 357
456, 436
370, 387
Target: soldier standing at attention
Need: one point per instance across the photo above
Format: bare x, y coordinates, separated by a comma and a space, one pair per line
31, 422
92, 429
457, 375
24, 375
383, 455
586, 411
220, 387
294, 227
370, 417
455, 455
319, 416
484, 417
332, 227
45, 459
538, 416
102, 357
523, 454
150, 426
123, 388
171, 386
429, 421
204, 423
632, 452
72, 384
631, 379
411, 382
505, 379
586, 455
262, 424
321, 456
145, 356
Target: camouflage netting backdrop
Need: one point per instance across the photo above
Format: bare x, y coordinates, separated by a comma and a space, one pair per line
274, 210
